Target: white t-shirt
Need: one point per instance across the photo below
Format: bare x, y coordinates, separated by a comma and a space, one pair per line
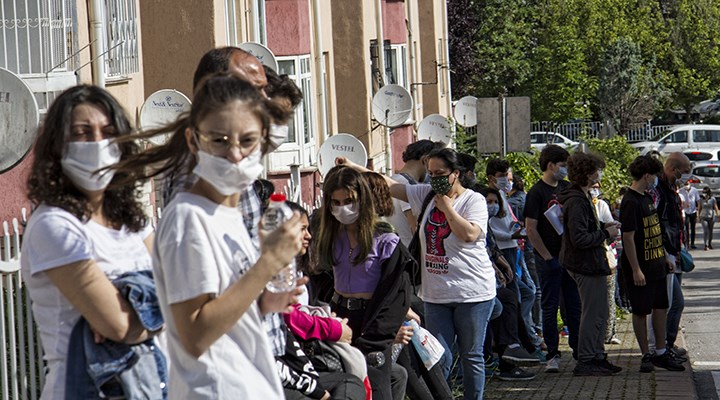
690, 198
603, 211
398, 219
54, 238
453, 271
202, 247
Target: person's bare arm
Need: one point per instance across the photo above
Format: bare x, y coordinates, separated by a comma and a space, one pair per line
202, 320
536, 239
411, 220
631, 254
462, 228
397, 189
87, 288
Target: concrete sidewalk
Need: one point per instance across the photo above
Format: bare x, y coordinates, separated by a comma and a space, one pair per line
628, 384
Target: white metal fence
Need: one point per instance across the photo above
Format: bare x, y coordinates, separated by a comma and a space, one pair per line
574, 130
21, 358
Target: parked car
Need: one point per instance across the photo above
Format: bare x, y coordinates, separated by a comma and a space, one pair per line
538, 140
698, 142
706, 173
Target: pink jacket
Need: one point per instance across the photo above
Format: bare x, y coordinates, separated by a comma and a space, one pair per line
306, 327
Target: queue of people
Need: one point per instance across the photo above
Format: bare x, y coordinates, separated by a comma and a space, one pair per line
185, 311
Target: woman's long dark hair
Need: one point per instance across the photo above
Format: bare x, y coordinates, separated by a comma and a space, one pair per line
47, 184
174, 158
343, 177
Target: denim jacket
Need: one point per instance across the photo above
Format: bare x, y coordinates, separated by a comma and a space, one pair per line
118, 370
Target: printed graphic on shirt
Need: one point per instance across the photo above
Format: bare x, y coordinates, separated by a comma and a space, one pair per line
652, 245
436, 230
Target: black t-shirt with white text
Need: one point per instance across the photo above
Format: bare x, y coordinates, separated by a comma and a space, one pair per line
638, 214
541, 197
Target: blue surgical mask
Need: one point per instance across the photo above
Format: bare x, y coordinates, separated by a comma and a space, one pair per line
493, 209
654, 183
561, 173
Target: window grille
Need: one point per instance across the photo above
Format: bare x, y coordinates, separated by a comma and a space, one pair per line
121, 39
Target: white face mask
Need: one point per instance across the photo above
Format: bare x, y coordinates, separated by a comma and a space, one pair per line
595, 193
227, 177
346, 214
277, 135
82, 159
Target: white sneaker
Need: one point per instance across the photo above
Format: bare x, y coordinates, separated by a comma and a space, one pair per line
553, 365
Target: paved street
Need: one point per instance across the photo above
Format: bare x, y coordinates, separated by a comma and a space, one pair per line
701, 326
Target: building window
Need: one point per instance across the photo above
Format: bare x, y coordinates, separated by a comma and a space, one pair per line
298, 68
396, 64
121, 39
38, 41
37, 36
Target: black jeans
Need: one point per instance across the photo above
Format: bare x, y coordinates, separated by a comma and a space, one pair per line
690, 222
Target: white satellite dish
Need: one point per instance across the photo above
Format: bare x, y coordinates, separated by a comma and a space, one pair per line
19, 116
435, 127
262, 53
466, 111
340, 145
161, 108
392, 105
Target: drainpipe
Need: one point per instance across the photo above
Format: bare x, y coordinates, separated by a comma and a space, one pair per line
446, 55
411, 54
381, 65
319, 65
97, 44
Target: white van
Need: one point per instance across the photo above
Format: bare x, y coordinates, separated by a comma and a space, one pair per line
698, 142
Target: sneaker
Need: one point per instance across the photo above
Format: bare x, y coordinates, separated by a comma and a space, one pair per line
518, 356
678, 351
677, 356
590, 369
646, 364
604, 363
540, 356
666, 361
553, 365
614, 340
517, 374
710, 247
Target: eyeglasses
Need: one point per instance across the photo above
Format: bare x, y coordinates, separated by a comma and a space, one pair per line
220, 144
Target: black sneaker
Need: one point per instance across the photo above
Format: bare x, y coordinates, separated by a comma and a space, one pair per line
676, 355
590, 369
604, 363
518, 356
516, 374
666, 361
646, 365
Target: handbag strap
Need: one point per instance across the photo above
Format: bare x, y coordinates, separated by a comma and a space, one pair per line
424, 207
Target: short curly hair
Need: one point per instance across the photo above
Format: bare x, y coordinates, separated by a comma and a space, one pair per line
642, 165
580, 165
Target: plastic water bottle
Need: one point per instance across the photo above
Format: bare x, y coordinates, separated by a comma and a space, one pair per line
396, 349
375, 359
276, 214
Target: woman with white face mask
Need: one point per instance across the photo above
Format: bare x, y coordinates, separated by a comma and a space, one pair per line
83, 233
367, 261
210, 276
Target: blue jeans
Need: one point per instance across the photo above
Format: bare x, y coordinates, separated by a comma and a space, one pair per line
555, 281
467, 322
677, 305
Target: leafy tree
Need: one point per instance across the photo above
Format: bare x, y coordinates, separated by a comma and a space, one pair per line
695, 62
496, 36
463, 29
559, 86
627, 90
